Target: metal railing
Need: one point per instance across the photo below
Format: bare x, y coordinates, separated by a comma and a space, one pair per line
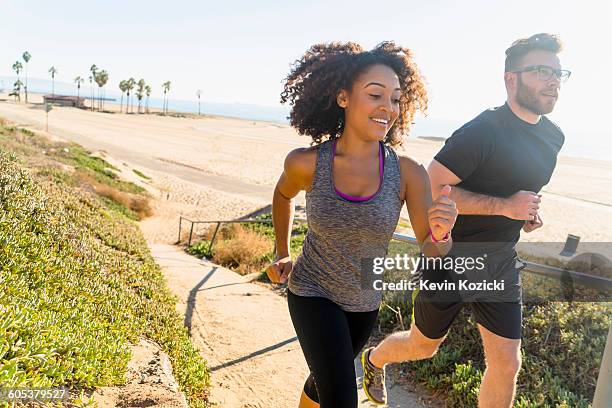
219, 222
584, 279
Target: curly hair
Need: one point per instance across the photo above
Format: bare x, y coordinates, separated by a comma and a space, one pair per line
316, 79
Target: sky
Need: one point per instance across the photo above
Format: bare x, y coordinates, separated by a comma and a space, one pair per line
240, 51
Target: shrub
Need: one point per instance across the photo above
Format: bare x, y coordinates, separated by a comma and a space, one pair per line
243, 250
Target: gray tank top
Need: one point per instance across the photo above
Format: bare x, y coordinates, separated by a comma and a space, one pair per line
342, 233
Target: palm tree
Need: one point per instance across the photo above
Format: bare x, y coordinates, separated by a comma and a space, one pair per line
123, 88
92, 91
78, 80
148, 91
199, 94
93, 69
166, 86
104, 82
26, 57
17, 90
17, 67
52, 71
101, 79
130, 85
140, 92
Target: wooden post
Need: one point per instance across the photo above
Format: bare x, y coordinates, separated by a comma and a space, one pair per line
190, 234
213, 238
48, 108
603, 390
178, 241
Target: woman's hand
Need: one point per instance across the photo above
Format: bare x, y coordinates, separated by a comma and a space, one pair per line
442, 215
279, 270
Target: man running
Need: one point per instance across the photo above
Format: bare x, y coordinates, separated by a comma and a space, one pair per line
497, 163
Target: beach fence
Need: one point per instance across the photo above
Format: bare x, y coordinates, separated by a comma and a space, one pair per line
603, 390
191, 224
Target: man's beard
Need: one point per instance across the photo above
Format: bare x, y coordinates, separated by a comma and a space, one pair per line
528, 98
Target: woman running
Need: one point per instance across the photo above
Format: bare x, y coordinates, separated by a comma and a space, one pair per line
356, 105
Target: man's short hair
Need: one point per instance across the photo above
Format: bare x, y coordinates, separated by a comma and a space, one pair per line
520, 48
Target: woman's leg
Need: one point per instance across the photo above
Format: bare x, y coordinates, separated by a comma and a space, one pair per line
325, 337
360, 326
310, 396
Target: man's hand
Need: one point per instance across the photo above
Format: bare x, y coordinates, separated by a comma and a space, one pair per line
442, 214
522, 205
533, 225
279, 270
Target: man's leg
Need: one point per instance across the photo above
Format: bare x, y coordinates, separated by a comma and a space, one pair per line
503, 360
404, 346
431, 321
500, 324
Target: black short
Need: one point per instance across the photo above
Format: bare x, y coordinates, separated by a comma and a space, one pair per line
435, 318
498, 310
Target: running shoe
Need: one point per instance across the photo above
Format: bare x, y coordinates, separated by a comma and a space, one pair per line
373, 380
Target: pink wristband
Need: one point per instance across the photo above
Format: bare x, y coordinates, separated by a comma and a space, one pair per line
433, 239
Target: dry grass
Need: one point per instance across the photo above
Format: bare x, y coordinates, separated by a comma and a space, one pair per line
141, 206
241, 249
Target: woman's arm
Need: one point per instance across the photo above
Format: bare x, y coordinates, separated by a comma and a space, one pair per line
297, 175
426, 215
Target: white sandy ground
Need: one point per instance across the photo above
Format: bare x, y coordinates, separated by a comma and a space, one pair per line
244, 158
220, 168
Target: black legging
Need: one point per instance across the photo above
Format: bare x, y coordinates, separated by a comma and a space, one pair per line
331, 339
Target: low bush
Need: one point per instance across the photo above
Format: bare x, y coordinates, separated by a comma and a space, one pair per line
78, 285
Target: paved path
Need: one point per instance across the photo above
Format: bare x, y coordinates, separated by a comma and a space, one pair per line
244, 331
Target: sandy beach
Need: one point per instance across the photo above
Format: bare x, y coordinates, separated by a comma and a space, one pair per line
215, 167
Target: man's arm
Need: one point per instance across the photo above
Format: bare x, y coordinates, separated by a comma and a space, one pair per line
522, 205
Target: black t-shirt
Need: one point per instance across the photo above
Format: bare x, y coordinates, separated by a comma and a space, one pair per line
498, 154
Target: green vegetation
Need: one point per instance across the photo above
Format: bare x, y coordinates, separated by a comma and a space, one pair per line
78, 284
89, 172
141, 174
95, 167
562, 344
